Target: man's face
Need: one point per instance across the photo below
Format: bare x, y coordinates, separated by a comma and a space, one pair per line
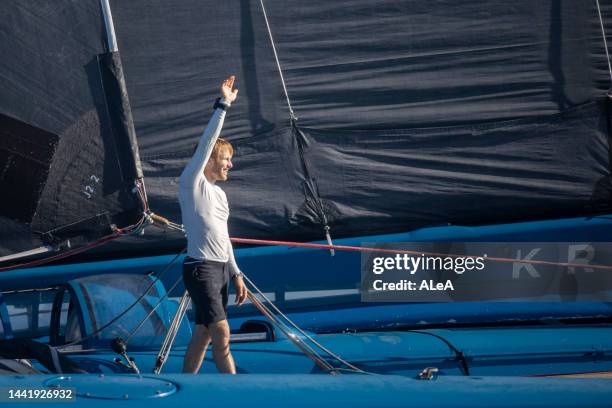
218, 167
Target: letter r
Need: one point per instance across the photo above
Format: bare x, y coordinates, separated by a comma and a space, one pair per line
573, 250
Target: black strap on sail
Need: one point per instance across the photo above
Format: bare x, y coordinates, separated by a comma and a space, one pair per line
311, 189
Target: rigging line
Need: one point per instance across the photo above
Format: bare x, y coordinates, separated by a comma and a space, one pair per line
306, 335
417, 253
296, 131
312, 355
458, 353
303, 347
603, 32
280, 71
123, 313
299, 343
274, 319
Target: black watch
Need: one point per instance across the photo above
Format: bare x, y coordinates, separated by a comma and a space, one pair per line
220, 105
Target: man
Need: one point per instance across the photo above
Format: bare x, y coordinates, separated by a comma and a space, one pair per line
210, 261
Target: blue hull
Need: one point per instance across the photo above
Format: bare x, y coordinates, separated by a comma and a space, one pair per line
309, 391
505, 347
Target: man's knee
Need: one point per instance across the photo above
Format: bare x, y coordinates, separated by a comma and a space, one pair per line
220, 333
201, 333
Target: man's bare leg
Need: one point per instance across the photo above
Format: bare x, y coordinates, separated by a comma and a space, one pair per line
220, 334
196, 350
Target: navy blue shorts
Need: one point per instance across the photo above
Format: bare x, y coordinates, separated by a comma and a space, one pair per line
207, 284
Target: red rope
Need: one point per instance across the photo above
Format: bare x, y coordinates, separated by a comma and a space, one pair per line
116, 234
417, 253
314, 246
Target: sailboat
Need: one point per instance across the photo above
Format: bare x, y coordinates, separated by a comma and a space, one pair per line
357, 122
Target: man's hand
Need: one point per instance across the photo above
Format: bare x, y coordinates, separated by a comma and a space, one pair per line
241, 290
226, 89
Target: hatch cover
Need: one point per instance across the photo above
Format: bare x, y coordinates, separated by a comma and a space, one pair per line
115, 387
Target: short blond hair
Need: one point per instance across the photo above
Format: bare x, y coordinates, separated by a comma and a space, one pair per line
222, 144
219, 144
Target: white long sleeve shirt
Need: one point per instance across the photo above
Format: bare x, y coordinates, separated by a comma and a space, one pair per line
204, 205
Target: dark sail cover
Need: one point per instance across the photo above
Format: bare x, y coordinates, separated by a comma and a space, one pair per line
67, 168
410, 113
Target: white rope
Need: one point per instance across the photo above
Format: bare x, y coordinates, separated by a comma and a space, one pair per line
603, 32
280, 71
294, 118
302, 332
301, 345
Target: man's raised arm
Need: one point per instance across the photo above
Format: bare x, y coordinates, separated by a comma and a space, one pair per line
195, 168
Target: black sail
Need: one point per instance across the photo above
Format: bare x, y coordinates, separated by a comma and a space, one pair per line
410, 113
68, 170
